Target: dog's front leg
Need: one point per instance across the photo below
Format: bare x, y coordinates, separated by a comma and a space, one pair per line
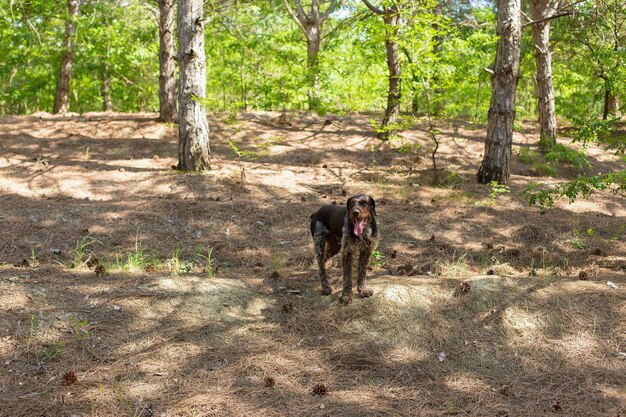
346, 262
362, 289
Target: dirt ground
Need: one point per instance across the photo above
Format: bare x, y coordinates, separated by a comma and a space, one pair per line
130, 289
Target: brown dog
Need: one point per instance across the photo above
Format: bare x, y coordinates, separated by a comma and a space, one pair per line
353, 231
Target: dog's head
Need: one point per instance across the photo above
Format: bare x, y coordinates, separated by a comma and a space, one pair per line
361, 211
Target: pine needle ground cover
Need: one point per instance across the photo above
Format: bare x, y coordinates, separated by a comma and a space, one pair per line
128, 288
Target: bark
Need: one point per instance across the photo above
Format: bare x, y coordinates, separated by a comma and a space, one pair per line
167, 64
614, 106
62, 95
437, 45
106, 88
391, 19
611, 104
542, 9
495, 164
193, 142
311, 27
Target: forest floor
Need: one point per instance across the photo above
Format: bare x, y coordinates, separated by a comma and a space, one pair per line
209, 304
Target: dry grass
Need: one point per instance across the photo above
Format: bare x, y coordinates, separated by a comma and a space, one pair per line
478, 308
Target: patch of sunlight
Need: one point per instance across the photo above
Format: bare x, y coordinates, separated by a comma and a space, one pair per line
218, 299
465, 383
619, 393
256, 306
397, 294
488, 282
406, 355
142, 389
527, 325
283, 178
581, 344
12, 296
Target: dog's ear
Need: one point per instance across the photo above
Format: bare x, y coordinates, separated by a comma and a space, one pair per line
373, 204
348, 203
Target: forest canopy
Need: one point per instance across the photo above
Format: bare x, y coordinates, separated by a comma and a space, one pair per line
257, 57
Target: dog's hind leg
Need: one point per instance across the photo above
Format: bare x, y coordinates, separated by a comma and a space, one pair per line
322, 253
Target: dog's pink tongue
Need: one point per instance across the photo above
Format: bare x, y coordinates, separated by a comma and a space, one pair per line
358, 227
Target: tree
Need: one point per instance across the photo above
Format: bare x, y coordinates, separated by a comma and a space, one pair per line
193, 141
391, 18
600, 26
107, 104
541, 11
167, 64
61, 98
495, 164
311, 26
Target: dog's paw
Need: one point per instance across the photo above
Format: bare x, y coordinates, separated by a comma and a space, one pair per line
327, 290
345, 299
365, 292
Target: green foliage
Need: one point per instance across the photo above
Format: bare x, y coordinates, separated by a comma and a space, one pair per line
80, 328
52, 352
83, 252
497, 189
577, 241
378, 259
562, 154
537, 194
527, 155
452, 179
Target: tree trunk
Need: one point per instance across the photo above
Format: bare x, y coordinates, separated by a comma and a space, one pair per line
611, 103
311, 26
437, 46
495, 164
391, 19
312, 49
106, 88
167, 64
541, 9
193, 142
614, 106
62, 95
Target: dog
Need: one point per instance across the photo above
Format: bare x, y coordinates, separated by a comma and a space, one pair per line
353, 231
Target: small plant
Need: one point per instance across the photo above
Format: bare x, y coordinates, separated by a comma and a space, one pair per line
527, 155
577, 241
452, 180
411, 148
518, 127
83, 252
80, 328
242, 156
378, 259
232, 117
136, 261
455, 267
209, 260
52, 352
175, 263
373, 153
278, 265
620, 229
496, 190
33, 261
32, 329
563, 154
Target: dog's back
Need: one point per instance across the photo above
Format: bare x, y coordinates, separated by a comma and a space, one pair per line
332, 217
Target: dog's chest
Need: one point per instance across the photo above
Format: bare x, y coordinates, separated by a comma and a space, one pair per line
364, 241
